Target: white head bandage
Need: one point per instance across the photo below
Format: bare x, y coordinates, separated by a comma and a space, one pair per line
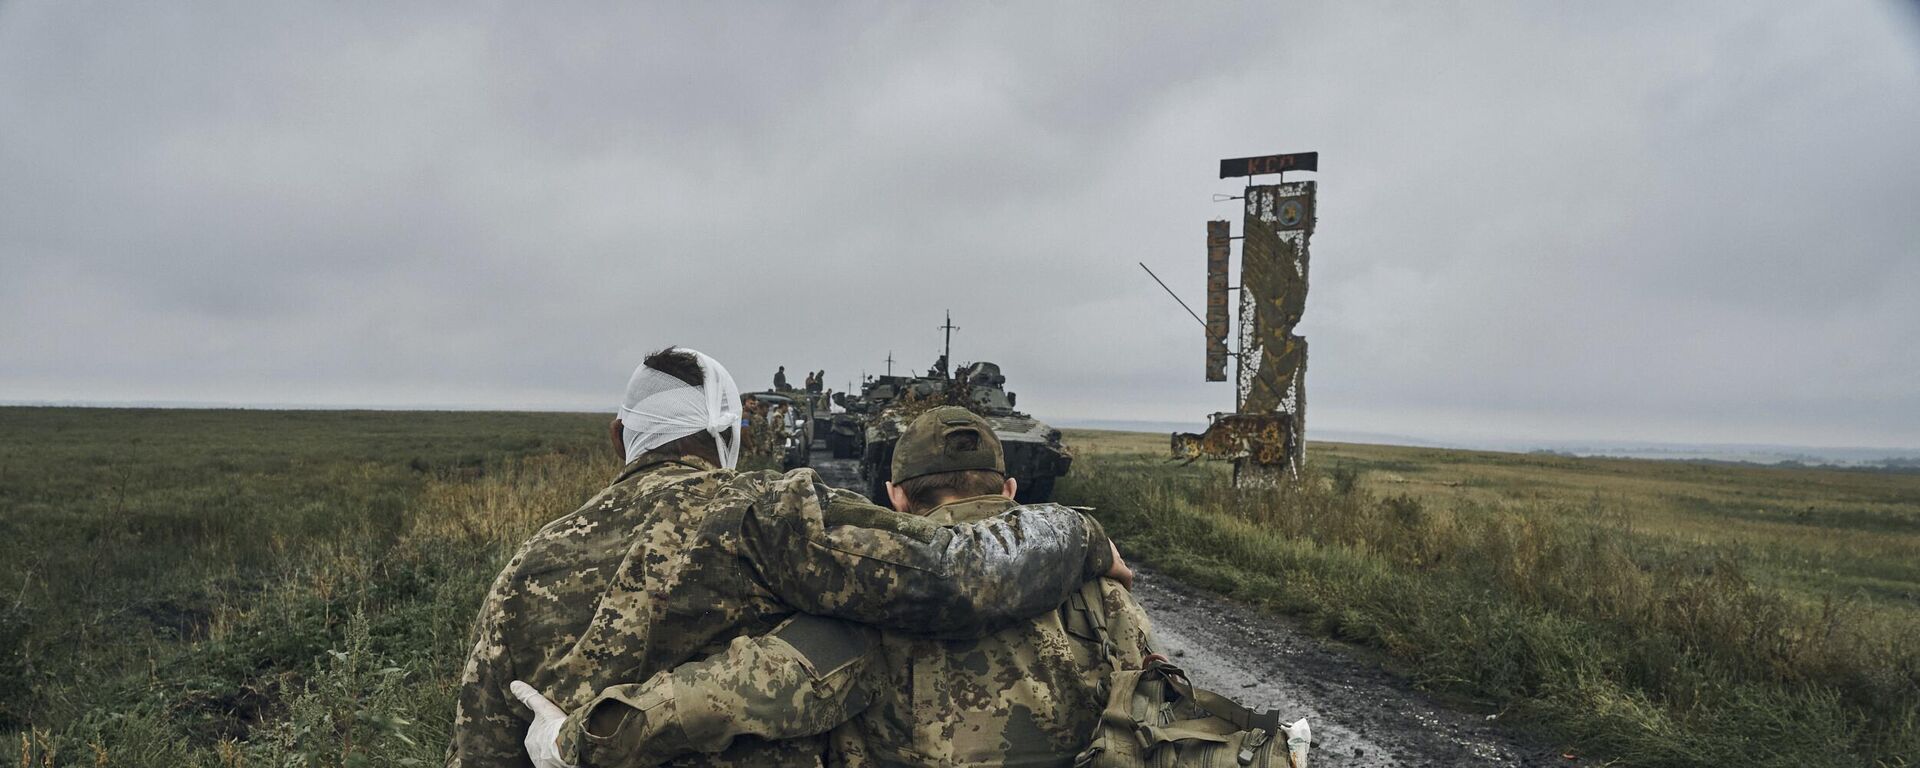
660, 409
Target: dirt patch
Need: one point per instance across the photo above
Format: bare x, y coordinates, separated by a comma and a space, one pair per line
1362, 715
187, 622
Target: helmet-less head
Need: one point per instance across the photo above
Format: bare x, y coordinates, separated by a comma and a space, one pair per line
680, 401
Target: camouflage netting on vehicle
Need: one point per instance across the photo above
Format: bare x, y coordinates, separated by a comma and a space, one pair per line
913, 402
1034, 453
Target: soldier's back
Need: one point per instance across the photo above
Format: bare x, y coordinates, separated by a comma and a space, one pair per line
647, 575
1028, 695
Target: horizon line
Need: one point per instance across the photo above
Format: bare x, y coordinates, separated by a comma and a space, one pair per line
1412, 441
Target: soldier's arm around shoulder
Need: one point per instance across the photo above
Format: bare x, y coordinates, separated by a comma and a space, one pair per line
831, 552
807, 676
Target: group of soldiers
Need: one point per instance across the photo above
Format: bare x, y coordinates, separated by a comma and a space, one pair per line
763, 432
816, 381
694, 614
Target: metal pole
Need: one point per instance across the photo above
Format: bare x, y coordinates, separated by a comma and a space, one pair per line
947, 369
1176, 297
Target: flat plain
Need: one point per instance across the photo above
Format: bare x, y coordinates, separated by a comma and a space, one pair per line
271, 588
1655, 613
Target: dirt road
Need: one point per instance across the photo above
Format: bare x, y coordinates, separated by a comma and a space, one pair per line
1361, 714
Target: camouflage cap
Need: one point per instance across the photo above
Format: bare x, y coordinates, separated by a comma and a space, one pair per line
946, 439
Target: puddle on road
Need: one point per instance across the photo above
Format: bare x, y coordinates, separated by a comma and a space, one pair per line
1361, 716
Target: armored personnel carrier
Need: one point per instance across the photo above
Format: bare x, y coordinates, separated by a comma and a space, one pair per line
846, 431
1035, 455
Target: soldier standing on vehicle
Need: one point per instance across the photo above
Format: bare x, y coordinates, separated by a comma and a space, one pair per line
780, 378
681, 554
1030, 694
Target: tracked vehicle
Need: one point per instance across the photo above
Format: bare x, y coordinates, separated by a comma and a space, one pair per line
846, 431
1035, 456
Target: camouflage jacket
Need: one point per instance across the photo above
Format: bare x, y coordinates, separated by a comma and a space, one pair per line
1029, 694
676, 558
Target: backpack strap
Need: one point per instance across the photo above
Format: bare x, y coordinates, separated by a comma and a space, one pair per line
1217, 705
1091, 603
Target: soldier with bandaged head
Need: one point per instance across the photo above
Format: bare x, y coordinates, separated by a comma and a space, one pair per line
681, 557
1028, 694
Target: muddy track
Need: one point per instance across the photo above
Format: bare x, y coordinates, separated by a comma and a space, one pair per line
1362, 715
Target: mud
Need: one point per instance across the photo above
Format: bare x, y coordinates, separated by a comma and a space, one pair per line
1363, 715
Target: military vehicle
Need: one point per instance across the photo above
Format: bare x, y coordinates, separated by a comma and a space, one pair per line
816, 409
819, 414
1035, 455
846, 435
811, 405
843, 435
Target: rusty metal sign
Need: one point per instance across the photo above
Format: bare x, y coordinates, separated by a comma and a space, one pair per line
1266, 439
1265, 436
1218, 237
1273, 294
1255, 166
1294, 212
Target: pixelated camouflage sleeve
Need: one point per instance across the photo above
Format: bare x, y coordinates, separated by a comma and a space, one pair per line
804, 678
832, 553
488, 725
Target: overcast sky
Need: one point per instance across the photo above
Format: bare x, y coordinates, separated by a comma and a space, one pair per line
1611, 221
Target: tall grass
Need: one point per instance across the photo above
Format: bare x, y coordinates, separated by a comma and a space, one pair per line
195, 588
259, 588
1647, 650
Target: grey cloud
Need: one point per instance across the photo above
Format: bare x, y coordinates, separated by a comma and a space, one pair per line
1686, 223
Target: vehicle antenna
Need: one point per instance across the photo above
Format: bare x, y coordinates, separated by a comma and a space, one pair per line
946, 358
1176, 297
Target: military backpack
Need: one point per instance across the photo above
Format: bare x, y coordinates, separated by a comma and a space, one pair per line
1156, 717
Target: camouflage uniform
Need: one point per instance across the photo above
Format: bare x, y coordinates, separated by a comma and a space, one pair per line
1030, 694
677, 557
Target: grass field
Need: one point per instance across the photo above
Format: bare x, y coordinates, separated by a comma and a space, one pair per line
259, 588
231, 588
1656, 613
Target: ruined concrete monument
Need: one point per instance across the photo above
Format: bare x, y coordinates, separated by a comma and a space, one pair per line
1265, 436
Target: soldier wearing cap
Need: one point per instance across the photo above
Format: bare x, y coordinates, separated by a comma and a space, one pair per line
1030, 694
681, 555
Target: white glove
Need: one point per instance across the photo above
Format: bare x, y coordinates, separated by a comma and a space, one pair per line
543, 737
1299, 738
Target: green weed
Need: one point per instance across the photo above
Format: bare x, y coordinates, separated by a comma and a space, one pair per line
1592, 612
